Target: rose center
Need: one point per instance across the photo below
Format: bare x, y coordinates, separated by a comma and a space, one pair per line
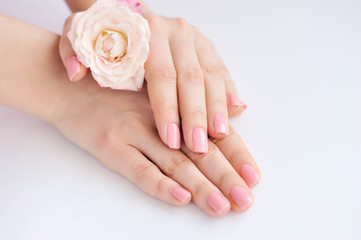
111, 45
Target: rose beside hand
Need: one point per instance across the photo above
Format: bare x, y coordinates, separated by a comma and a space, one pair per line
113, 42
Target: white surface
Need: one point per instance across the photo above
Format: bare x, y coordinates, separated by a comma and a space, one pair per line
297, 65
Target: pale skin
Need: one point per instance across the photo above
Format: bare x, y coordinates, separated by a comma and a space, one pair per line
186, 80
118, 127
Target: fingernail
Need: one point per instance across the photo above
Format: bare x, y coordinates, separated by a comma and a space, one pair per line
235, 102
249, 174
217, 202
173, 135
220, 124
241, 197
181, 194
72, 66
200, 140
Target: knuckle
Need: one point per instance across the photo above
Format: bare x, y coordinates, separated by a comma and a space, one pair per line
214, 68
153, 19
167, 75
181, 23
224, 179
200, 159
134, 123
193, 75
199, 114
141, 169
130, 122
219, 101
174, 163
160, 187
213, 150
201, 186
119, 131
168, 111
109, 140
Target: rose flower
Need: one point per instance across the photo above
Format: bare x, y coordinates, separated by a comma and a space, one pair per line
112, 39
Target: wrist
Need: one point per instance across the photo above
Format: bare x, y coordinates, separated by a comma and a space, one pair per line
33, 78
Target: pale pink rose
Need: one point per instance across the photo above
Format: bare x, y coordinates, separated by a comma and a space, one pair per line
112, 39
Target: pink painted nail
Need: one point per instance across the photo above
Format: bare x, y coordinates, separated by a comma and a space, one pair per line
249, 174
173, 134
217, 202
200, 140
220, 124
235, 102
241, 197
72, 66
181, 194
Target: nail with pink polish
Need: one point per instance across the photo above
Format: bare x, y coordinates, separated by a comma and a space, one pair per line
217, 202
181, 194
72, 66
235, 101
173, 135
220, 124
241, 197
200, 140
249, 174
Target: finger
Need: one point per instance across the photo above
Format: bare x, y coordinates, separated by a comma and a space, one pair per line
235, 150
75, 69
129, 162
213, 71
162, 86
212, 64
218, 170
191, 89
235, 105
180, 168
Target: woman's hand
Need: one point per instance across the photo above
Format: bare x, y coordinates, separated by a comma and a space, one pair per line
186, 78
119, 129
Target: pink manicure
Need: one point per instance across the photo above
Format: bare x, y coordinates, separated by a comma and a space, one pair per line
180, 194
72, 66
235, 102
241, 197
249, 174
217, 202
173, 134
220, 124
200, 140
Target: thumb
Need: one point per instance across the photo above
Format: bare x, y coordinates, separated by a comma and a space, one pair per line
76, 70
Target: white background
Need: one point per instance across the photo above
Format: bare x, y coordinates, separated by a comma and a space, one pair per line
297, 65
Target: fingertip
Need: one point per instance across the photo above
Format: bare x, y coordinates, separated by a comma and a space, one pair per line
250, 174
200, 140
76, 71
173, 136
242, 198
235, 105
236, 110
220, 126
219, 205
81, 74
182, 196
